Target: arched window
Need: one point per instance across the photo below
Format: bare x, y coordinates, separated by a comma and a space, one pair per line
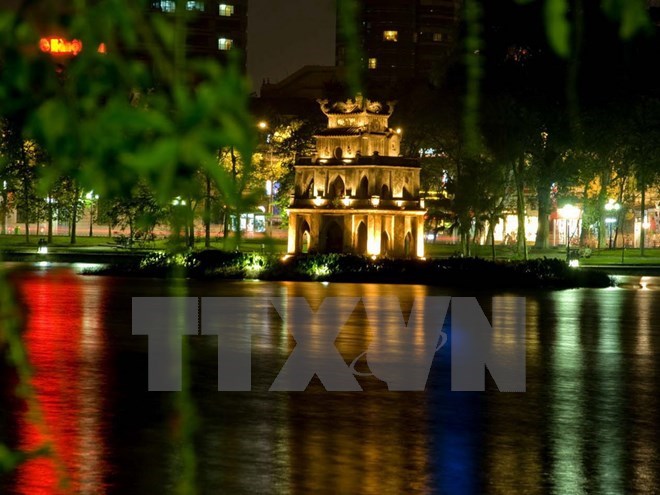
363, 190
408, 245
309, 191
361, 239
303, 238
337, 188
384, 192
384, 243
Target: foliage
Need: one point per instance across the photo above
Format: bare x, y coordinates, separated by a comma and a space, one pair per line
109, 121
456, 272
139, 211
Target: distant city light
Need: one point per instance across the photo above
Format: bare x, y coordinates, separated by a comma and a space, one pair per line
60, 46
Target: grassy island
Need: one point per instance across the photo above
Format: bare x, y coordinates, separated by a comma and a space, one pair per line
450, 272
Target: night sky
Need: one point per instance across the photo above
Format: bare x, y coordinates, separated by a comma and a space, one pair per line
284, 35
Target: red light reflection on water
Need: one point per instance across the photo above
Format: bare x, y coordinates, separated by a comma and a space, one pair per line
64, 340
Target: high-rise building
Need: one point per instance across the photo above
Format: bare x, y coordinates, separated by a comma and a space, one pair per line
404, 39
213, 28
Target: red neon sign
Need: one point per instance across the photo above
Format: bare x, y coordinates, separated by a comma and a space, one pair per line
60, 46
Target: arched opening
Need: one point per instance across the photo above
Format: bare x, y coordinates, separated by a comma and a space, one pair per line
408, 245
384, 192
363, 190
309, 191
338, 153
384, 244
305, 241
303, 238
334, 238
337, 188
361, 239
406, 194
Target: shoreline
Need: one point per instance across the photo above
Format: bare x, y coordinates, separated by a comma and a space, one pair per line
451, 272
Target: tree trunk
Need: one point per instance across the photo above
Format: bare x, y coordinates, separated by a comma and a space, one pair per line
642, 231
207, 213
50, 219
583, 231
621, 215
602, 197
5, 198
237, 219
191, 233
543, 231
491, 236
520, 205
74, 212
465, 242
225, 227
190, 223
26, 205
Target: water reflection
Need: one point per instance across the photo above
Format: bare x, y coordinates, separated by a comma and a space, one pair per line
587, 423
64, 337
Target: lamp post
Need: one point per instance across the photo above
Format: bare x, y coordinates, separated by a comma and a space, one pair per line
263, 125
611, 206
269, 193
91, 197
569, 212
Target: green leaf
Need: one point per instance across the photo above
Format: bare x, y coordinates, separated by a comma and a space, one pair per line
634, 19
632, 14
557, 26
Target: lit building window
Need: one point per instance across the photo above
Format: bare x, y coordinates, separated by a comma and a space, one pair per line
167, 5
224, 43
437, 36
226, 10
373, 63
195, 6
390, 35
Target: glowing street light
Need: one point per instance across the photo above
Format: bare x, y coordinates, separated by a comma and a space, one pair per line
611, 206
568, 212
92, 198
646, 224
270, 184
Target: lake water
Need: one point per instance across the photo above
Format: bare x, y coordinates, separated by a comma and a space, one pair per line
586, 424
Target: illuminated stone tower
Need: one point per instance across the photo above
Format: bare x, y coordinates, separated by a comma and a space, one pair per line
357, 195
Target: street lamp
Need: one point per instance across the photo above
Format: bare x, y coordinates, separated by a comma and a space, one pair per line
91, 197
569, 212
269, 192
611, 206
263, 125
